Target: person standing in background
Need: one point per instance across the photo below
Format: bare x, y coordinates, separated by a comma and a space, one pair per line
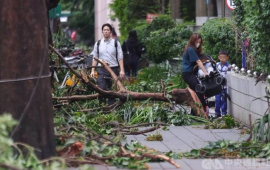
133, 46
106, 50
114, 35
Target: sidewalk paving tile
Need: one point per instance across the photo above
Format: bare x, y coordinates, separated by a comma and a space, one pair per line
183, 165
188, 138
167, 165
100, 167
114, 168
177, 146
226, 164
154, 165
183, 139
232, 135
205, 134
130, 137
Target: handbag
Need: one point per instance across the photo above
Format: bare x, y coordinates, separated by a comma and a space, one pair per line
127, 55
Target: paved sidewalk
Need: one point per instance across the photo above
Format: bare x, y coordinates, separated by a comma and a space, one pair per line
184, 138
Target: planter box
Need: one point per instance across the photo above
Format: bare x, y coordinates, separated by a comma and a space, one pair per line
175, 65
243, 98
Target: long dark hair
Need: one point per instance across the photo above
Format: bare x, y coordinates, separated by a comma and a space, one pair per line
191, 43
132, 35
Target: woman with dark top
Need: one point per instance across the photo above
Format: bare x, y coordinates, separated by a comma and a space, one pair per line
134, 47
191, 58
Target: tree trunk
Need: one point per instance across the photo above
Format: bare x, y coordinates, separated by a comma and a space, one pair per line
24, 73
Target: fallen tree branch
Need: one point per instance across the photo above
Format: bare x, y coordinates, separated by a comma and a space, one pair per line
115, 78
86, 81
107, 109
145, 124
9, 167
165, 93
77, 97
96, 134
180, 96
250, 126
75, 162
190, 98
148, 155
137, 132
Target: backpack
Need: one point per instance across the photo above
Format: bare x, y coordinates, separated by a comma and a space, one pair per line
115, 44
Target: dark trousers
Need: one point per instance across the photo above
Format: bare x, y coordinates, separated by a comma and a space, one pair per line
221, 103
132, 66
104, 82
191, 79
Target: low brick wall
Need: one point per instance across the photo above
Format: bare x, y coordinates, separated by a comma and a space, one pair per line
243, 94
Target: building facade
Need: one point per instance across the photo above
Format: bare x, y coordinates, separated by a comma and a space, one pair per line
204, 11
102, 16
214, 9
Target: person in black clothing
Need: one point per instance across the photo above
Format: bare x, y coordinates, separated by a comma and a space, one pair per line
133, 46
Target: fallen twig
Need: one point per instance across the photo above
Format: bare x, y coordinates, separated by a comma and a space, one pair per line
146, 124
250, 126
138, 132
148, 155
9, 167
106, 109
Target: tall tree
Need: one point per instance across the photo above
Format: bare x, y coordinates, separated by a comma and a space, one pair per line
188, 10
24, 72
82, 18
129, 12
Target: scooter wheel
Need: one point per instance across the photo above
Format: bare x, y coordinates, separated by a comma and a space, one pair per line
219, 80
203, 89
198, 88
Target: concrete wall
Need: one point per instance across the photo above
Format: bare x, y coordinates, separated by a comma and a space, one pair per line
243, 92
102, 16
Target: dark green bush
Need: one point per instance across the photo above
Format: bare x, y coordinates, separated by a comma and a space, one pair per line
161, 22
141, 32
253, 17
218, 34
163, 45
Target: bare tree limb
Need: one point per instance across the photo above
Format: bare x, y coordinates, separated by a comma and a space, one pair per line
105, 108
115, 78
145, 124
10, 167
180, 96
138, 132
77, 97
148, 155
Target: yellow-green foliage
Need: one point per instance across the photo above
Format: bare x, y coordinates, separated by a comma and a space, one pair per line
154, 137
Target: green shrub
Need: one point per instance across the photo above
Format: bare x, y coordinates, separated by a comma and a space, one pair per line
218, 34
161, 22
163, 45
141, 32
254, 19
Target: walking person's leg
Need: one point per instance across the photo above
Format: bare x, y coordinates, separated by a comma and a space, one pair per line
134, 66
192, 81
224, 104
102, 83
110, 85
127, 70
